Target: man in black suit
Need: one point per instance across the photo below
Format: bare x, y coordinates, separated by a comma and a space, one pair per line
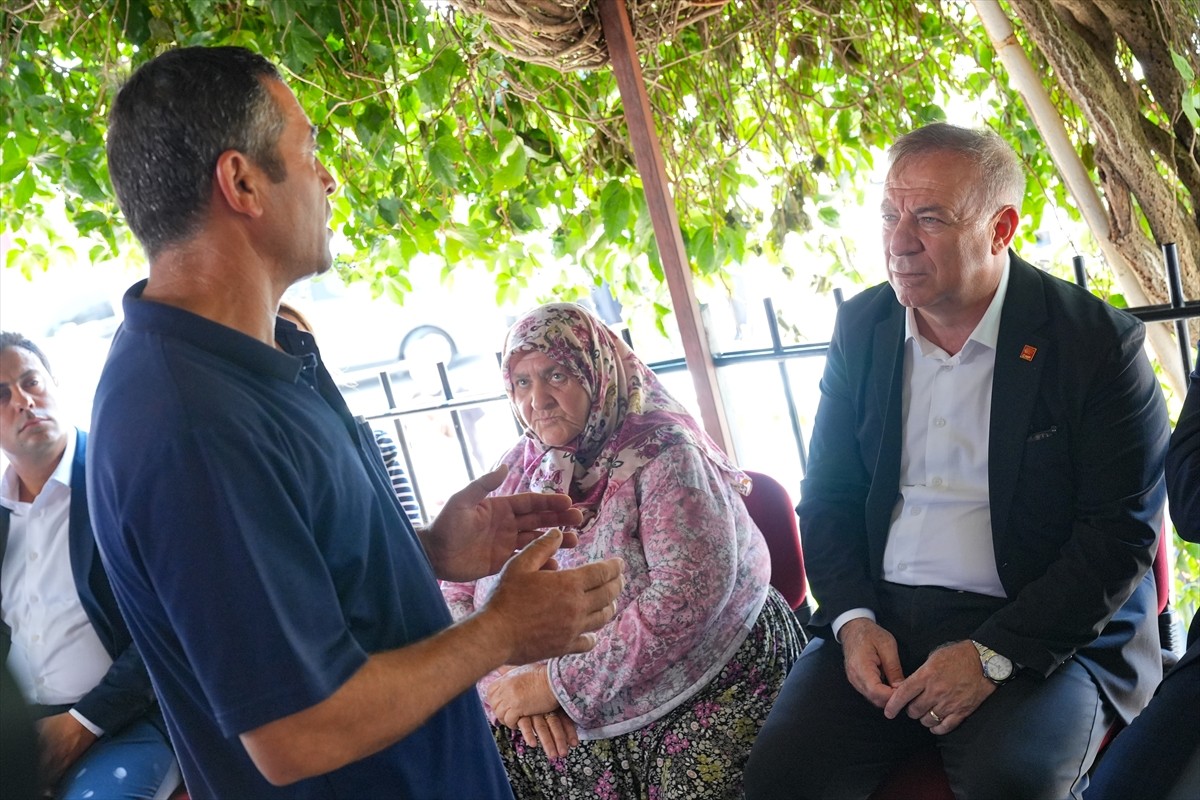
981, 508
99, 729
1183, 470
1159, 754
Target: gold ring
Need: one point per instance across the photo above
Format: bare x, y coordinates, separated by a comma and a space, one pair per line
936, 718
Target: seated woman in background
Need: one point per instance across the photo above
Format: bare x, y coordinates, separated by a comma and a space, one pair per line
671, 698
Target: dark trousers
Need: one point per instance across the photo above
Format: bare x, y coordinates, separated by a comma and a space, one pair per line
1032, 738
1158, 755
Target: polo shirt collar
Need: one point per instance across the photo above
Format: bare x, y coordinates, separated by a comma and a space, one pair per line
147, 316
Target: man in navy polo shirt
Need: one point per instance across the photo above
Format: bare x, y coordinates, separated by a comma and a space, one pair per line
288, 613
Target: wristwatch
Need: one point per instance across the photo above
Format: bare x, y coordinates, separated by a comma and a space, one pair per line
996, 668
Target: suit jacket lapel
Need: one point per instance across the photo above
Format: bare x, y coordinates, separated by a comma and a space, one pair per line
5, 631
82, 547
91, 582
1020, 356
887, 371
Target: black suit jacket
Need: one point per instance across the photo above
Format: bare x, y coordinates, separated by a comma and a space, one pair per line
1077, 437
1183, 463
1183, 481
125, 693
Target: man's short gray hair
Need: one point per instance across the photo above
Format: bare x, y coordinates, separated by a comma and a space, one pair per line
1001, 173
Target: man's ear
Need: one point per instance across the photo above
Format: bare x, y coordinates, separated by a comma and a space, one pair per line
1004, 229
240, 183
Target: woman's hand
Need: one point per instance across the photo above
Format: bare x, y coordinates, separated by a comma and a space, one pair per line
553, 731
521, 689
521, 692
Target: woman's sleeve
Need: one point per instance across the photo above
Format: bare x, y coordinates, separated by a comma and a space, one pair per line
460, 597
681, 537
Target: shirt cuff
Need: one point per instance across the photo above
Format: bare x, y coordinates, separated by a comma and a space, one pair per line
846, 616
85, 722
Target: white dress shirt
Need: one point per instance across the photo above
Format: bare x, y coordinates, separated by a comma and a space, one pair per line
941, 530
56, 656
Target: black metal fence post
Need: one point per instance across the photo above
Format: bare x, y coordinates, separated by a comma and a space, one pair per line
786, 380
456, 419
1175, 292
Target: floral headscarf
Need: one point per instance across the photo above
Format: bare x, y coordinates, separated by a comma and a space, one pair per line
631, 420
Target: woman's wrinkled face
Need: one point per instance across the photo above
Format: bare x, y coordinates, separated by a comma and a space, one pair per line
552, 402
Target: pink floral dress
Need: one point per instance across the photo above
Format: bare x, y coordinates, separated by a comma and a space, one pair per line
668, 702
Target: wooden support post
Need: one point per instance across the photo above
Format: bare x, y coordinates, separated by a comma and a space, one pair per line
622, 50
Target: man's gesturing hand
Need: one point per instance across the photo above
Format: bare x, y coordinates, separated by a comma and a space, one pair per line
871, 659
543, 613
475, 534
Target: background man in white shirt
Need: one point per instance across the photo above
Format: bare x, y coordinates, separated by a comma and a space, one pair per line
100, 732
980, 511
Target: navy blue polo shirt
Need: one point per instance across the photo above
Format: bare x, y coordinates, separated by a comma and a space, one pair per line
259, 554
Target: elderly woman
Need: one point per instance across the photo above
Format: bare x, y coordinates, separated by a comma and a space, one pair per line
668, 702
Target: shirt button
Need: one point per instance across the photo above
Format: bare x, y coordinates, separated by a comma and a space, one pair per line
937, 481
903, 567
915, 511
33, 599
41, 681
33, 556
36, 637
940, 422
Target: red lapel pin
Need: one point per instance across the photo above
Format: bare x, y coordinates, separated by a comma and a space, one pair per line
1028, 352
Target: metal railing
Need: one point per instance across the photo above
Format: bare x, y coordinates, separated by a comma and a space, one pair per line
1177, 310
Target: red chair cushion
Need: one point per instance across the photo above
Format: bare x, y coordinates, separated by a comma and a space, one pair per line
775, 515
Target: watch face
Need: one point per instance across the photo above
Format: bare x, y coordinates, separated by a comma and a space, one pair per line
997, 667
